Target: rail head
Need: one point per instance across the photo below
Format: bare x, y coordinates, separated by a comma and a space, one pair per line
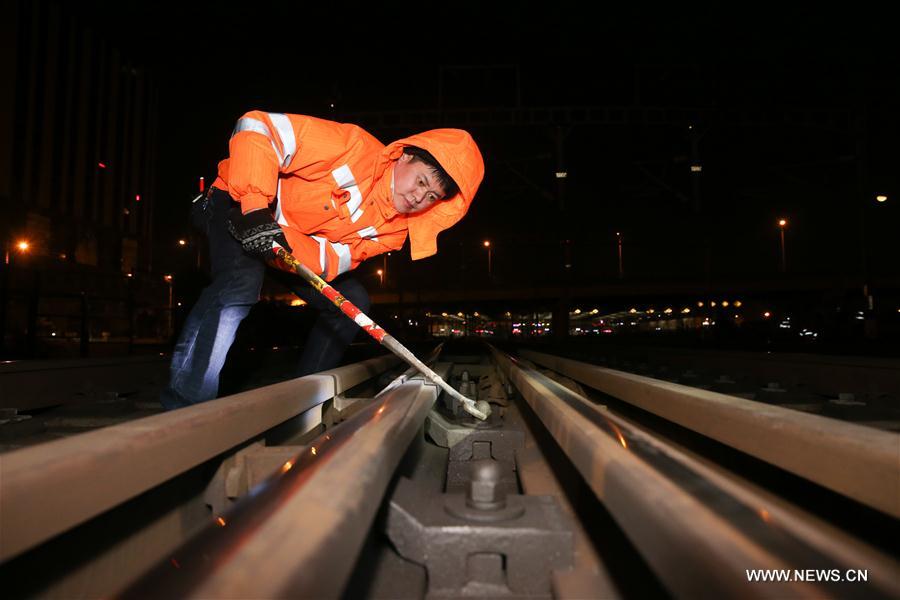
49, 488
858, 462
298, 533
698, 530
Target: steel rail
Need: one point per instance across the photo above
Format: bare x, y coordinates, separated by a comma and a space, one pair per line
298, 534
698, 530
589, 576
825, 373
859, 462
49, 488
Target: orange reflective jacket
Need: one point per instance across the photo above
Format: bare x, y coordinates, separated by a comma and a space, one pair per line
330, 186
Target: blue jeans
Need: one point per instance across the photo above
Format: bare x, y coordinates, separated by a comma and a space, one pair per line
212, 324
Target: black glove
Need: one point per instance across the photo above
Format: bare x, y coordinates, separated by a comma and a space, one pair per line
257, 232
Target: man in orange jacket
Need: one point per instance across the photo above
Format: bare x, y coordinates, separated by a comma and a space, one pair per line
330, 194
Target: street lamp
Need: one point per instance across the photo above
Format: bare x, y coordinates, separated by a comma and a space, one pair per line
782, 223
619, 244
196, 252
21, 245
381, 277
487, 244
171, 324
881, 198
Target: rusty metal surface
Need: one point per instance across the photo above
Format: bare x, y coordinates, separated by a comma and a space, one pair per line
859, 462
698, 530
589, 576
298, 534
479, 537
499, 444
49, 488
458, 475
482, 543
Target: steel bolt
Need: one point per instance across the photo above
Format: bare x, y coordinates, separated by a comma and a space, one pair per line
485, 489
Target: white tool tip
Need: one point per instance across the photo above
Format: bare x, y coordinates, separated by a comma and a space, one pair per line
480, 410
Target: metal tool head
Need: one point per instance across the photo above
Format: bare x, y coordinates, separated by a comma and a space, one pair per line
480, 410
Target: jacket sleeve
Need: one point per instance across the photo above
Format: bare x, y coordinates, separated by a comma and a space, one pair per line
265, 144
256, 154
329, 259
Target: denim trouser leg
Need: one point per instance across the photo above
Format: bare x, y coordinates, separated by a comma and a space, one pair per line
333, 330
211, 326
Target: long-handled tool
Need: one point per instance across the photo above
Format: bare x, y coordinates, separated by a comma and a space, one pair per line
480, 409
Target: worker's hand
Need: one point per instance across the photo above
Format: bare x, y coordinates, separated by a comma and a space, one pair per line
257, 232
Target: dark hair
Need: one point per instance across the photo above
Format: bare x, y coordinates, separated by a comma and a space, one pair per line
443, 179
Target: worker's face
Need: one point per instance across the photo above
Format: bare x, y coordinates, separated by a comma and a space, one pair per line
415, 186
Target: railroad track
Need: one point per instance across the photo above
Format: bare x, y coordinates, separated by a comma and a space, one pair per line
862, 390
365, 482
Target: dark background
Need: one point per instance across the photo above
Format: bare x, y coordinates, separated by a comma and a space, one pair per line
213, 61
791, 110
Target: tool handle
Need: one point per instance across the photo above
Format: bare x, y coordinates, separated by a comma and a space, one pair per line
480, 410
345, 306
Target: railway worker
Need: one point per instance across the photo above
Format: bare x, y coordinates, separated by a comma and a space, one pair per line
330, 194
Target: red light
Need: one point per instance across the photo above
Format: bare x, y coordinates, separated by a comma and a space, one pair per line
202, 185
137, 197
101, 165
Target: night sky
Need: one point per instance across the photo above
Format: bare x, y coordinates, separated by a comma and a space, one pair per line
214, 61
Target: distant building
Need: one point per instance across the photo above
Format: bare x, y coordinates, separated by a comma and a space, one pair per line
77, 182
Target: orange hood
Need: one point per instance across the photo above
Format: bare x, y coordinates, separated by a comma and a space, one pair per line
457, 153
